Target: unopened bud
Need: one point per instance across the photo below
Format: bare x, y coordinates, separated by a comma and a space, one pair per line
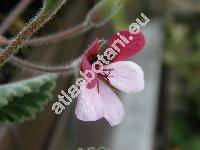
103, 12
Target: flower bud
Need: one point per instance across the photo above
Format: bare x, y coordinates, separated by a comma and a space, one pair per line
103, 11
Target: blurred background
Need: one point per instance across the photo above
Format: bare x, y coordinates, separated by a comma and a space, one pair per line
165, 116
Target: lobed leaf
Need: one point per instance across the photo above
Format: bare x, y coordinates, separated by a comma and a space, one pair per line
21, 101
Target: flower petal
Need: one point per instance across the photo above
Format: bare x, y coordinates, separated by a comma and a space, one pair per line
92, 50
130, 49
85, 65
113, 108
126, 76
89, 106
89, 53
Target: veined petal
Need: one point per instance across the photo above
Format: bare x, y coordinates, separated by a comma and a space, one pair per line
126, 76
113, 108
89, 106
130, 49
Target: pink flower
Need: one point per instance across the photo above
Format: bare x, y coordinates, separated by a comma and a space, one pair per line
96, 99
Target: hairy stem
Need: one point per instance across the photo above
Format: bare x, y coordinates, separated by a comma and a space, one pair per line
92, 20
23, 4
62, 35
48, 11
59, 36
33, 67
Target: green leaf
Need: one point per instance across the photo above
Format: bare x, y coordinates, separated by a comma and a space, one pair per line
21, 101
193, 143
178, 131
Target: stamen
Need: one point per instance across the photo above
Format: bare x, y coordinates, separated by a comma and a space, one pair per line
104, 75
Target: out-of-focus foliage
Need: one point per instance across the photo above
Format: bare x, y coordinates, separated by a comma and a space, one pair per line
182, 56
20, 101
119, 21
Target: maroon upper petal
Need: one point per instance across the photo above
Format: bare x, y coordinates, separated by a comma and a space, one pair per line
85, 65
92, 50
134, 46
89, 53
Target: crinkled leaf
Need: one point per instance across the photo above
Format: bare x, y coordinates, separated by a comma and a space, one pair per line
20, 101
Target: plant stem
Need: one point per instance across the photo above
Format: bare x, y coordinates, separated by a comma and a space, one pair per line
34, 67
48, 11
59, 36
62, 35
23, 4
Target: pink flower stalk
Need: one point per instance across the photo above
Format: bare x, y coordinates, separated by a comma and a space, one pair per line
96, 99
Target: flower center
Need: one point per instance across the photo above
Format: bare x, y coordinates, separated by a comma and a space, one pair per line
92, 60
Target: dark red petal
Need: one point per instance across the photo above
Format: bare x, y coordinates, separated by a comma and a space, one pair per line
85, 65
92, 84
130, 49
92, 50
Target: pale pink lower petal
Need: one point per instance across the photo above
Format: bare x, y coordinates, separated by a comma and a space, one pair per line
113, 108
126, 76
89, 106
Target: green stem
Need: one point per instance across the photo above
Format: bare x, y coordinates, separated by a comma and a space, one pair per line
49, 9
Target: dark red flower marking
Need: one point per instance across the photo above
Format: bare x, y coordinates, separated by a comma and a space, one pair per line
131, 48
